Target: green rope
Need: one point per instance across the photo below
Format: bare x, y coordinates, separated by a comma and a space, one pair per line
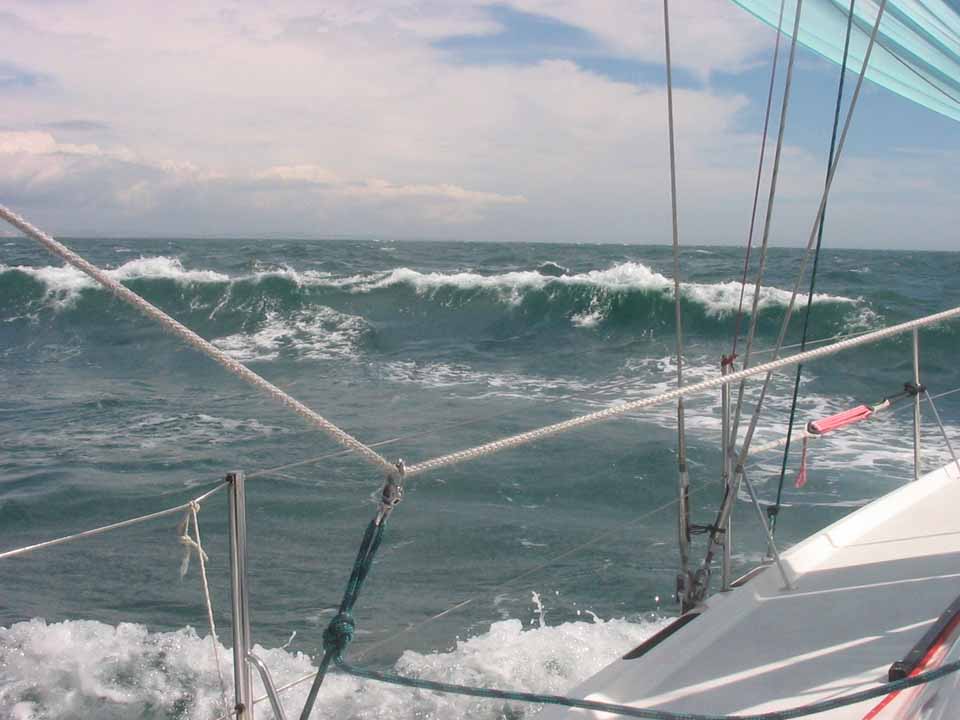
340, 631
651, 714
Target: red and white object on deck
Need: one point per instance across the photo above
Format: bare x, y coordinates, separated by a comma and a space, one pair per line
825, 425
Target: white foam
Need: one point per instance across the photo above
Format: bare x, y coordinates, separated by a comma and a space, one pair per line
884, 442
64, 283
718, 299
317, 333
82, 668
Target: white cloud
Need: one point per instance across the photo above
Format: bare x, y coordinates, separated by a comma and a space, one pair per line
706, 35
245, 117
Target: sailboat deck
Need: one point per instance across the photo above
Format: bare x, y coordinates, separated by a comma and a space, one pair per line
866, 589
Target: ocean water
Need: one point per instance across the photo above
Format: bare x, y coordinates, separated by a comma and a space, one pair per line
557, 557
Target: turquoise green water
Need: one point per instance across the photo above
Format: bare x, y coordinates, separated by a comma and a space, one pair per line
428, 347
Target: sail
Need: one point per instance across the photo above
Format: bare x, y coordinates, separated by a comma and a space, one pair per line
917, 54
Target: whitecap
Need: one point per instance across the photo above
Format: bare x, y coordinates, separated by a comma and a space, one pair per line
317, 333
64, 283
83, 668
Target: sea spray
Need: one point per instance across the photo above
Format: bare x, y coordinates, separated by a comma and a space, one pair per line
56, 671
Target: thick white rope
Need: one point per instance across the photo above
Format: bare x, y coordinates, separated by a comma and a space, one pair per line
194, 340
107, 528
685, 391
214, 640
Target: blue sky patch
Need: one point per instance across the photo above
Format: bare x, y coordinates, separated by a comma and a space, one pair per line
527, 39
13, 77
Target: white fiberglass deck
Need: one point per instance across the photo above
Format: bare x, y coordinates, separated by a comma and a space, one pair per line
866, 590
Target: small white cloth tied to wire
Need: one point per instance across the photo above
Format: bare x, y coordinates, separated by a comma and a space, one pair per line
189, 544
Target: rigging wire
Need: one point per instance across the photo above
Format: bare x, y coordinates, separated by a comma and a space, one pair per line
768, 219
813, 275
813, 233
756, 189
683, 478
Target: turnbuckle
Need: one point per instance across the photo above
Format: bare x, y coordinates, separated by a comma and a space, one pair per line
392, 492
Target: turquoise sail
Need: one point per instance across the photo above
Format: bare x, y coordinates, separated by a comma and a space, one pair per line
917, 54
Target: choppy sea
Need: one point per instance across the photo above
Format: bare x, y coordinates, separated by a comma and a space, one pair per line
556, 557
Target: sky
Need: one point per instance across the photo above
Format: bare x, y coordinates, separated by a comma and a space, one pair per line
522, 120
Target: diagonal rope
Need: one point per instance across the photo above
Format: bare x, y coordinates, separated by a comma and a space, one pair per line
813, 274
768, 219
756, 189
615, 411
194, 340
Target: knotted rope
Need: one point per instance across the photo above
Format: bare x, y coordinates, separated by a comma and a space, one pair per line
190, 545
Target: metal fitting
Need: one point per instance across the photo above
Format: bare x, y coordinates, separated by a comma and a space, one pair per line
392, 492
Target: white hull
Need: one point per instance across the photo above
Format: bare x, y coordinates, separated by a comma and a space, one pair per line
866, 590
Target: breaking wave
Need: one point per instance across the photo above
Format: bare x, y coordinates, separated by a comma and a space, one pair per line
85, 668
320, 315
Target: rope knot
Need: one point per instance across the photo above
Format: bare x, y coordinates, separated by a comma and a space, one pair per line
339, 633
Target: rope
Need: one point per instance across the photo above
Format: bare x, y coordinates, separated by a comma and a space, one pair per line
630, 711
340, 631
107, 528
194, 340
756, 189
813, 232
813, 272
189, 544
202, 560
767, 221
683, 478
687, 390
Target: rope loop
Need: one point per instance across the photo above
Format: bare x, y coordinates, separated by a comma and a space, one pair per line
339, 634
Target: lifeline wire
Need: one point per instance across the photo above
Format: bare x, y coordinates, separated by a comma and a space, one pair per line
107, 528
195, 341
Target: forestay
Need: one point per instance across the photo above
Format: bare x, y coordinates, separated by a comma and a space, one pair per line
918, 47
